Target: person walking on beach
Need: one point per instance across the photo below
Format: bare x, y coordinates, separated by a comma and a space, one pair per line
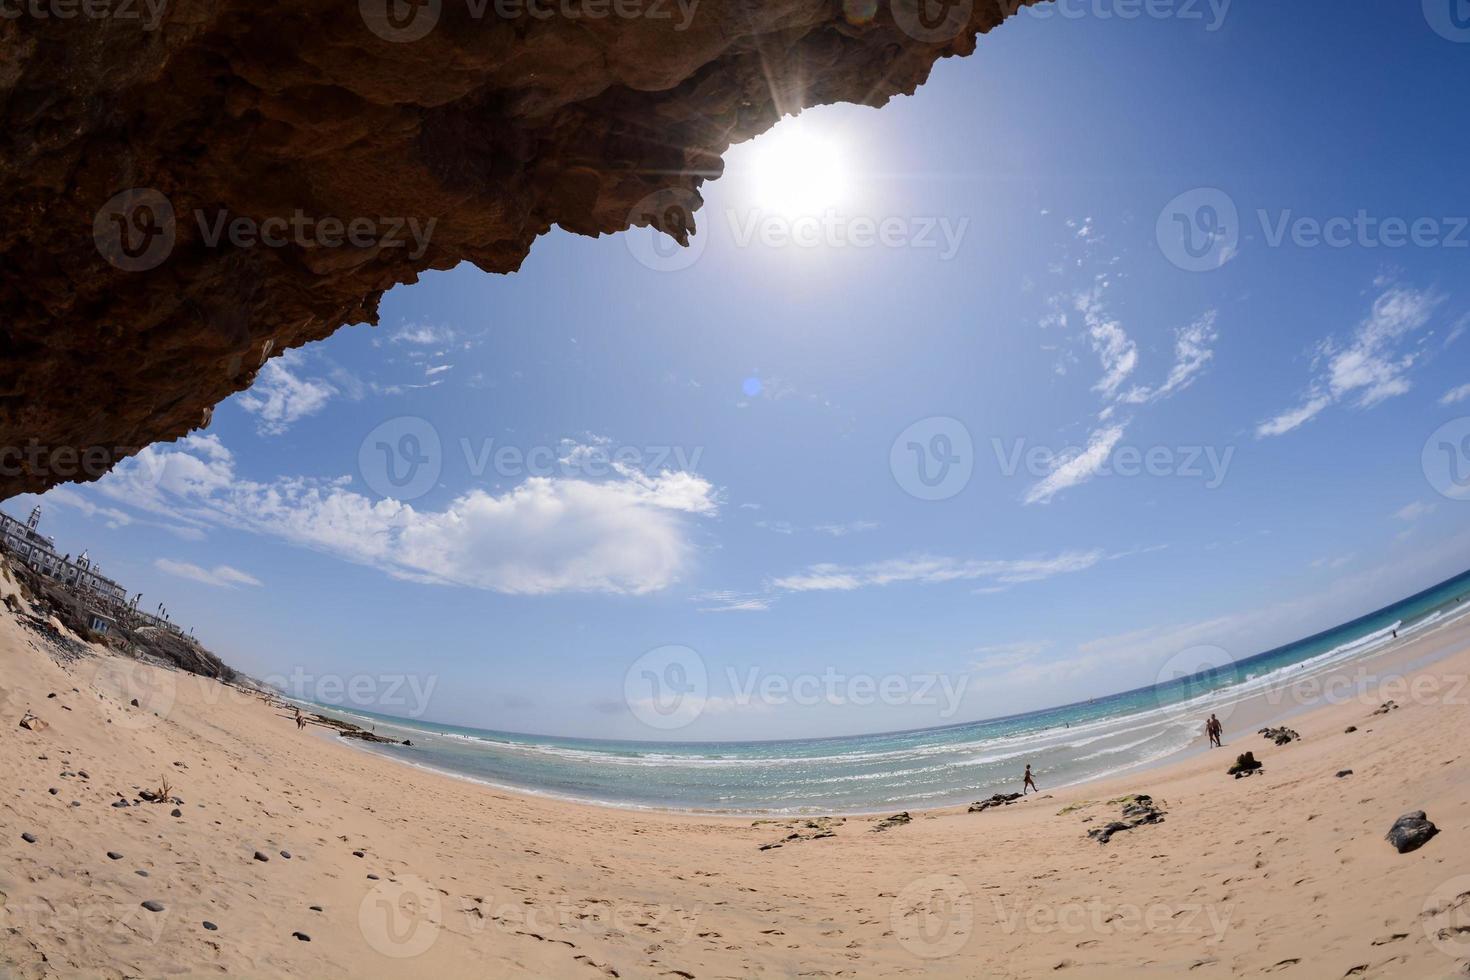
300, 721
1214, 729
1029, 784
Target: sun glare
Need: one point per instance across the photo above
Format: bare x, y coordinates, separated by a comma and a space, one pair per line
795, 170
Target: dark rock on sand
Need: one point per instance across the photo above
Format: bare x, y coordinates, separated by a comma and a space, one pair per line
1386, 707
121, 804
1104, 834
114, 856
999, 799
1344, 772
28, 838
888, 823
301, 936
357, 854
134, 702
262, 856
372, 877
1245, 765
1280, 736
153, 906
1137, 811
141, 873
210, 925
316, 908
1350, 729
53, 791
1411, 832
286, 855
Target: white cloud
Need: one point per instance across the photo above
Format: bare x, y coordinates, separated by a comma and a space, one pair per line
423, 335
1372, 366
627, 534
220, 576
1294, 417
1110, 342
1414, 511
726, 601
843, 530
280, 397
1077, 468
1192, 351
1004, 656
1455, 395
930, 570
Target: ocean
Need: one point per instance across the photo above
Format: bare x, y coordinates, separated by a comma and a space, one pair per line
930, 767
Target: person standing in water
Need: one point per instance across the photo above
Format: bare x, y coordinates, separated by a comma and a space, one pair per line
1029, 784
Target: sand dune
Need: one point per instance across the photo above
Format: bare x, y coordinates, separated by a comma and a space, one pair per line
374, 869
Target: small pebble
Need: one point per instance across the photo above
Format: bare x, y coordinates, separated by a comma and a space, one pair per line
210, 925
53, 791
141, 873
176, 812
301, 936
114, 855
357, 854
28, 838
153, 906
316, 908
120, 805
286, 855
76, 803
372, 877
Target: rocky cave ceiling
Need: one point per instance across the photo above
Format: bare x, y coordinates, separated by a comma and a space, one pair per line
137, 133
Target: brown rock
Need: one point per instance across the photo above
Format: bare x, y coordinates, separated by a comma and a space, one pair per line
457, 139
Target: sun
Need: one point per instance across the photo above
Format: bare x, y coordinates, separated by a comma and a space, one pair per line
795, 169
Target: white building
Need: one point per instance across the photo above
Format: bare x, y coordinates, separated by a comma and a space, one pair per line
27, 543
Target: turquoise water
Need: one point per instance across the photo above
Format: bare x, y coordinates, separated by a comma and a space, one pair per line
929, 767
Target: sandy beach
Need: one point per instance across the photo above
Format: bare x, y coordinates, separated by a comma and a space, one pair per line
313, 858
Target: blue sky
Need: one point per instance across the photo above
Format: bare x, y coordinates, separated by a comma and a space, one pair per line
752, 390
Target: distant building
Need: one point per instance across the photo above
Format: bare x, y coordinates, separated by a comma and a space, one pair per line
28, 544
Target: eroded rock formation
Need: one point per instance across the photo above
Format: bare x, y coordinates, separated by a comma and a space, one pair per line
194, 186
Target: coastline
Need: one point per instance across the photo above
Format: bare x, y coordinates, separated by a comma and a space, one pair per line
457, 879
1253, 710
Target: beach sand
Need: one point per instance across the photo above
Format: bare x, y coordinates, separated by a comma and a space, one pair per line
418, 874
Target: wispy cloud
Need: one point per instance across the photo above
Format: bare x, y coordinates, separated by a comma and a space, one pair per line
1455, 395
1413, 511
726, 601
1078, 467
930, 570
220, 576
1371, 366
1118, 357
